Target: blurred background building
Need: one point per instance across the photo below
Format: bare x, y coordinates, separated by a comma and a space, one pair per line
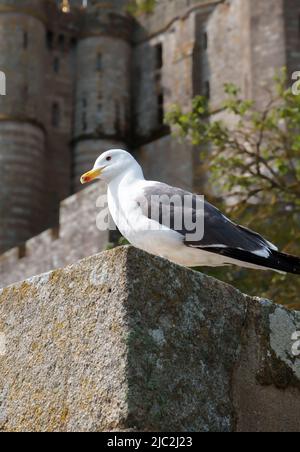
84, 76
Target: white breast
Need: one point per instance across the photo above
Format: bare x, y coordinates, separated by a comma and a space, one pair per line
136, 227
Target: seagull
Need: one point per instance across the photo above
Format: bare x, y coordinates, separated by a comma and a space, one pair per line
132, 201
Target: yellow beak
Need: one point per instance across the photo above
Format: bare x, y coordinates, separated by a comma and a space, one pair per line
91, 175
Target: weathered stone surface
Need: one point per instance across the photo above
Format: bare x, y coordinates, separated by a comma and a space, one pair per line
127, 341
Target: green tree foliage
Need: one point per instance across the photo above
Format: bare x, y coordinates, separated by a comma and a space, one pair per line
139, 7
254, 167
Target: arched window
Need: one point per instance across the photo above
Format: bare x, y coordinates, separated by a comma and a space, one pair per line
56, 114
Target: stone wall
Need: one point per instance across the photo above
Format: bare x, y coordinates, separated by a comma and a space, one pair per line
292, 30
127, 341
23, 187
246, 46
166, 13
168, 160
76, 237
60, 43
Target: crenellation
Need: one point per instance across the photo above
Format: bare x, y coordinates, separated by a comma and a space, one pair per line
76, 237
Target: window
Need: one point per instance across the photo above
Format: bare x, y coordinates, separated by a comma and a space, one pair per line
205, 41
207, 89
55, 115
84, 102
49, 39
84, 122
160, 109
73, 42
158, 56
56, 65
99, 62
61, 42
25, 40
25, 93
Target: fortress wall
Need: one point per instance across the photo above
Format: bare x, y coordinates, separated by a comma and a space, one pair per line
60, 75
166, 13
22, 193
246, 46
76, 237
167, 160
292, 30
22, 131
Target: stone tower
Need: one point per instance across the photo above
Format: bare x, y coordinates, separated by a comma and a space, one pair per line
102, 110
22, 133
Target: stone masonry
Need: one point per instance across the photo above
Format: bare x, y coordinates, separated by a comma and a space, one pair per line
124, 341
76, 238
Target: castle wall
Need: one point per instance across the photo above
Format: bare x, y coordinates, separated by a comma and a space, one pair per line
22, 194
246, 46
292, 34
103, 84
169, 161
22, 122
227, 50
22, 58
76, 238
268, 46
166, 13
60, 42
102, 100
170, 67
103, 87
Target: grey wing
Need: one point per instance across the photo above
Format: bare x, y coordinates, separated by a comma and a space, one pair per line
219, 232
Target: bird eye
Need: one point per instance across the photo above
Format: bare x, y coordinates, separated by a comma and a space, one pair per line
108, 159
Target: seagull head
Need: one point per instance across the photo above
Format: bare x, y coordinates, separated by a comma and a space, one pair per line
110, 165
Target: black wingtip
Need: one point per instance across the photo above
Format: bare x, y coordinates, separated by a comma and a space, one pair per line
276, 261
286, 262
